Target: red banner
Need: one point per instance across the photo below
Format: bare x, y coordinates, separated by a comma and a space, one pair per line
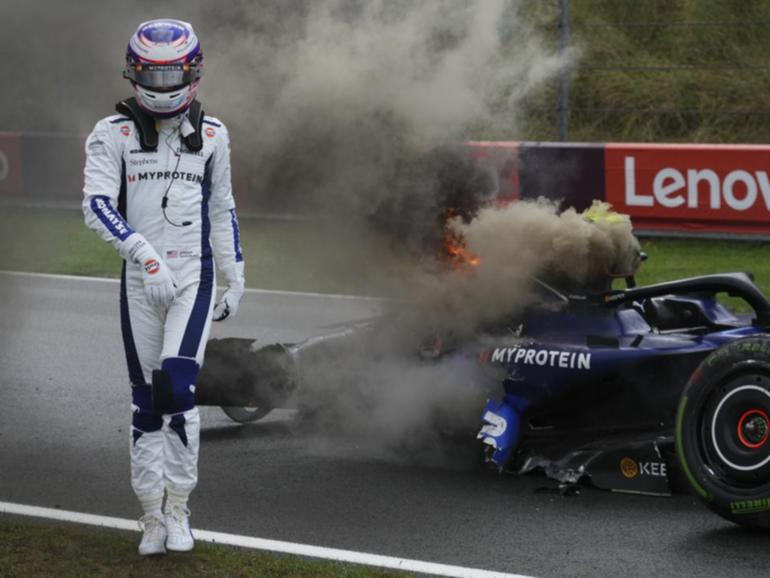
10, 165
691, 188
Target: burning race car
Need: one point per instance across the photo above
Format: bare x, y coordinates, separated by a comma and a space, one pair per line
642, 389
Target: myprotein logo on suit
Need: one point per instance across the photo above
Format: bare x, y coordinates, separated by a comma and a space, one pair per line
164, 176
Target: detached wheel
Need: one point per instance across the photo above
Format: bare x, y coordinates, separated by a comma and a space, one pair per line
723, 431
246, 414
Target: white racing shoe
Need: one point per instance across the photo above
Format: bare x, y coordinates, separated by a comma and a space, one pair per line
179, 537
154, 537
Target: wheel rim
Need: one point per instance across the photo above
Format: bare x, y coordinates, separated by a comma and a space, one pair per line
735, 429
753, 428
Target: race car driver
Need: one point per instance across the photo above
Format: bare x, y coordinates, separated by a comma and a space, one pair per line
157, 187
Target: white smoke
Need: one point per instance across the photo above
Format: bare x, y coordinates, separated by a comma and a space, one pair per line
334, 108
528, 240
379, 388
338, 97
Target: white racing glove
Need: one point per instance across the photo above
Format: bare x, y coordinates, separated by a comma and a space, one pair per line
159, 281
227, 306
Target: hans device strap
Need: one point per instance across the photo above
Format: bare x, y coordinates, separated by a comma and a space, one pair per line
194, 140
148, 134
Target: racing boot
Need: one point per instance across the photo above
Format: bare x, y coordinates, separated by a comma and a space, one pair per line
180, 537
154, 537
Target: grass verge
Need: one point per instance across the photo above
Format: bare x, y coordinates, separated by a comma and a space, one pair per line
678, 258
287, 255
37, 548
293, 256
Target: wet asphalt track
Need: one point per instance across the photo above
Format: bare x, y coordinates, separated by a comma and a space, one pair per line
63, 443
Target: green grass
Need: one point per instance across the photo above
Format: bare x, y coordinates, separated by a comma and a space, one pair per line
293, 256
658, 71
53, 241
40, 549
286, 255
677, 258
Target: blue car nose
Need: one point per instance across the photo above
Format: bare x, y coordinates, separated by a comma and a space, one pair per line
502, 428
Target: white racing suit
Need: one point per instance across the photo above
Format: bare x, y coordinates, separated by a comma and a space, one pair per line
124, 189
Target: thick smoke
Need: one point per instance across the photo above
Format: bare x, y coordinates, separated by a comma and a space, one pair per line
521, 242
350, 110
335, 107
344, 100
390, 403
390, 385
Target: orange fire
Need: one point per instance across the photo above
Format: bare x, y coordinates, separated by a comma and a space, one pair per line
454, 245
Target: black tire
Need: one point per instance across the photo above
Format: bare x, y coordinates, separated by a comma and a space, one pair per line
723, 431
246, 414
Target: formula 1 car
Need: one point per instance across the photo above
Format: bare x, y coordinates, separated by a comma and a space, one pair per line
644, 389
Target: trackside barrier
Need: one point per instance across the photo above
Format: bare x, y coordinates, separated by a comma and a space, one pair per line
716, 189
690, 189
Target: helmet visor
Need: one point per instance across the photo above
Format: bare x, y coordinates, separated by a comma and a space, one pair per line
162, 76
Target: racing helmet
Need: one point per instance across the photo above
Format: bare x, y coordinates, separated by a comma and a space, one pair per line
164, 63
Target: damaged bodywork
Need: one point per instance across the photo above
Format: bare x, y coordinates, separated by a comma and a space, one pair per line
581, 387
526, 346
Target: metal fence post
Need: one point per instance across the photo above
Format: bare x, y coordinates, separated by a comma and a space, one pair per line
564, 41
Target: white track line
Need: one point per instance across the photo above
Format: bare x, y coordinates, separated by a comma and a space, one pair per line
349, 556
257, 291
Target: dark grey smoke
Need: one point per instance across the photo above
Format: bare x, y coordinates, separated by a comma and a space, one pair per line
333, 105
344, 99
378, 387
348, 109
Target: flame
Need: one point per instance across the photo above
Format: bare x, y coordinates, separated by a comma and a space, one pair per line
454, 245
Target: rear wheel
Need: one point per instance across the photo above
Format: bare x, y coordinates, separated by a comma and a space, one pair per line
246, 414
723, 431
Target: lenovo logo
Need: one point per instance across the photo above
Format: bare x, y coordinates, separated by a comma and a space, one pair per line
739, 190
691, 188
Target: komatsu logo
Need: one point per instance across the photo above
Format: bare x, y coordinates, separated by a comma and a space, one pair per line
116, 222
166, 175
542, 357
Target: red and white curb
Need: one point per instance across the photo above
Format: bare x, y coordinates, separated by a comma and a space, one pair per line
305, 550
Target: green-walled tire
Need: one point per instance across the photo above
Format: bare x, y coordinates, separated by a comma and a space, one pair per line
723, 431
